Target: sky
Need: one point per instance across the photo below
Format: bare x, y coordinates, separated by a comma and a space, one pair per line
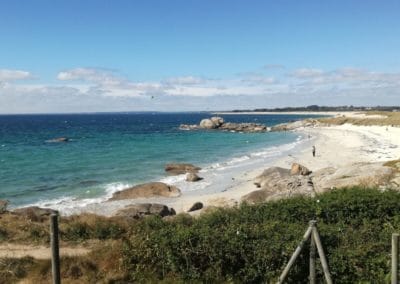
192, 55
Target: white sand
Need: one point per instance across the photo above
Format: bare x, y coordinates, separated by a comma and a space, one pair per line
336, 146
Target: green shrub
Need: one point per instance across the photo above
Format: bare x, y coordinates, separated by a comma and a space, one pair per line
252, 244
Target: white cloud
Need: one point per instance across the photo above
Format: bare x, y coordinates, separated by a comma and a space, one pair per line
7, 75
307, 73
185, 80
90, 89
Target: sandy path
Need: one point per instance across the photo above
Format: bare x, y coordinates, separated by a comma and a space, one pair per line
38, 252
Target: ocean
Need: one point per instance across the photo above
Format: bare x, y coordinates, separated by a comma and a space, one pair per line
111, 151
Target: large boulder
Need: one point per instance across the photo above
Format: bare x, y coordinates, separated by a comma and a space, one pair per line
271, 176
147, 190
137, 211
207, 124
192, 177
179, 169
298, 169
34, 213
218, 121
3, 206
276, 183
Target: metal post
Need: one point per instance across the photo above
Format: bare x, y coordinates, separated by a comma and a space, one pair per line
312, 261
296, 253
395, 258
55, 253
322, 257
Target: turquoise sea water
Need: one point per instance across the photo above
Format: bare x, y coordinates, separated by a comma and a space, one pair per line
108, 152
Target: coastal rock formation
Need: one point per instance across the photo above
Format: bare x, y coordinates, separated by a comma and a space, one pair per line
58, 140
365, 174
188, 127
207, 124
276, 183
137, 211
192, 177
218, 123
296, 124
298, 169
34, 213
196, 206
147, 190
3, 206
179, 169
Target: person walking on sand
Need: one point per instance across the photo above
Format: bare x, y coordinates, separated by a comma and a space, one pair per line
313, 151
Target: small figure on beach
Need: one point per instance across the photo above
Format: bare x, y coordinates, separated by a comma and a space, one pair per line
313, 151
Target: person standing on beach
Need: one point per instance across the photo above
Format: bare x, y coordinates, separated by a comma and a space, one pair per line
313, 151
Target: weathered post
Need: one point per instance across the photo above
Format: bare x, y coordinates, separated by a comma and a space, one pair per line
55, 253
395, 258
312, 257
296, 253
322, 257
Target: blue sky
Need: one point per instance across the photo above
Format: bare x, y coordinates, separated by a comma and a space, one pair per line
74, 56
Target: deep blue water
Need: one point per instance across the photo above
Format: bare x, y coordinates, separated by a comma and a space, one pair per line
107, 150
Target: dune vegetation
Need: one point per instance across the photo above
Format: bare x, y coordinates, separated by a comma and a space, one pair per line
244, 244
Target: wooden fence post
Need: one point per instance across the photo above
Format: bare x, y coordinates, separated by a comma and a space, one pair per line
322, 256
312, 258
55, 253
296, 253
395, 258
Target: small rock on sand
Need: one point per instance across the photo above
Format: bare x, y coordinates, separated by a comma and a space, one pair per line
192, 177
196, 206
137, 211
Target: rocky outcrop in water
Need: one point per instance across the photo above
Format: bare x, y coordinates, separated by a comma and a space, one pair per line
179, 169
218, 123
147, 190
141, 210
58, 140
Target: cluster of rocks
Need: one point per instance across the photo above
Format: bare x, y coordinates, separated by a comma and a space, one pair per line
218, 123
295, 125
32, 213
277, 183
188, 169
141, 210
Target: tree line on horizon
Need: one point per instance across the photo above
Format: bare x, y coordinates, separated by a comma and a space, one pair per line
323, 108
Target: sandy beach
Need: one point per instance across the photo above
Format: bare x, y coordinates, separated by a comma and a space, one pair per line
336, 146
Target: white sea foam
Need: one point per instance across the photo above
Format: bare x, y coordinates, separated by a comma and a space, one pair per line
68, 205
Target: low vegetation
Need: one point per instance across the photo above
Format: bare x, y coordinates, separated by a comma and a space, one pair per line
383, 118
246, 244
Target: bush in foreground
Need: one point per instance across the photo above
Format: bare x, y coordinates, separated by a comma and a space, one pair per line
252, 244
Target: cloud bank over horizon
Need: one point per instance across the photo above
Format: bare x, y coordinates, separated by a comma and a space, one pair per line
100, 90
